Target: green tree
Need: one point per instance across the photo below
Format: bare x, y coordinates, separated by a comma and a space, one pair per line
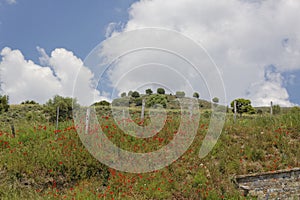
196, 95
130, 93
29, 102
156, 100
135, 94
102, 103
149, 91
65, 105
123, 94
180, 94
4, 103
160, 91
215, 100
276, 109
243, 106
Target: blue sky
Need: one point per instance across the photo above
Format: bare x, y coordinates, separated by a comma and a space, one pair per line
75, 25
243, 38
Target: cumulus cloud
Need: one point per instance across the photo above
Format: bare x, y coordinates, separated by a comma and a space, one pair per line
270, 89
243, 37
23, 80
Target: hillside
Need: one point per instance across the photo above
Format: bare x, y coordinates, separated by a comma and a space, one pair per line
43, 163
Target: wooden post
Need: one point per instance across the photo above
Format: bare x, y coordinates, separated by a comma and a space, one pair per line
235, 110
123, 118
57, 117
143, 110
13, 130
191, 111
271, 110
87, 120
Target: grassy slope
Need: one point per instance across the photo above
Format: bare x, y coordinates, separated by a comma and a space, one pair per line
41, 163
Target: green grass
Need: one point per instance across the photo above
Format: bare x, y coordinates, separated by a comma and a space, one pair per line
41, 163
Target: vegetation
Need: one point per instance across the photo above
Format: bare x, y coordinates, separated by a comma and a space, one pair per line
149, 92
276, 109
196, 95
155, 100
160, 91
29, 102
65, 106
135, 94
243, 106
180, 94
41, 162
4, 103
123, 94
102, 103
215, 100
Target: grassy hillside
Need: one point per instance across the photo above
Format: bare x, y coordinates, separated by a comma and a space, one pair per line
43, 163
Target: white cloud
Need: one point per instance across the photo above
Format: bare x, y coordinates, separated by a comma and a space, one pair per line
243, 37
24, 80
11, 2
270, 89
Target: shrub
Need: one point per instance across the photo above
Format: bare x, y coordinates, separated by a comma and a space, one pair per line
102, 103
160, 91
196, 95
65, 105
156, 99
135, 94
149, 91
3, 104
180, 94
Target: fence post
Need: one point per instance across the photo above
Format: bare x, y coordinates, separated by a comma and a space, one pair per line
123, 117
235, 110
191, 111
57, 117
87, 120
143, 110
271, 110
13, 130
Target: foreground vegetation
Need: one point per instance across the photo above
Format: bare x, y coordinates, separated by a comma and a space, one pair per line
40, 162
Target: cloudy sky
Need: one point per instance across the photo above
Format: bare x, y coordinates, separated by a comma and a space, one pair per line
254, 45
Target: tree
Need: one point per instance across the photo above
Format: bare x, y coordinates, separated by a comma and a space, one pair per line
243, 106
156, 100
65, 105
135, 94
102, 103
180, 94
123, 94
130, 93
215, 100
4, 103
276, 109
29, 102
160, 91
149, 91
196, 95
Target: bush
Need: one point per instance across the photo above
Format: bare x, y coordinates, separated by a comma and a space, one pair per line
125, 101
102, 103
123, 94
180, 94
135, 94
149, 91
160, 91
65, 105
29, 102
156, 99
196, 95
276, 109
3, 104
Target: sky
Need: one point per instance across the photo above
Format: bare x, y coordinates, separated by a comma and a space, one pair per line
254, 45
